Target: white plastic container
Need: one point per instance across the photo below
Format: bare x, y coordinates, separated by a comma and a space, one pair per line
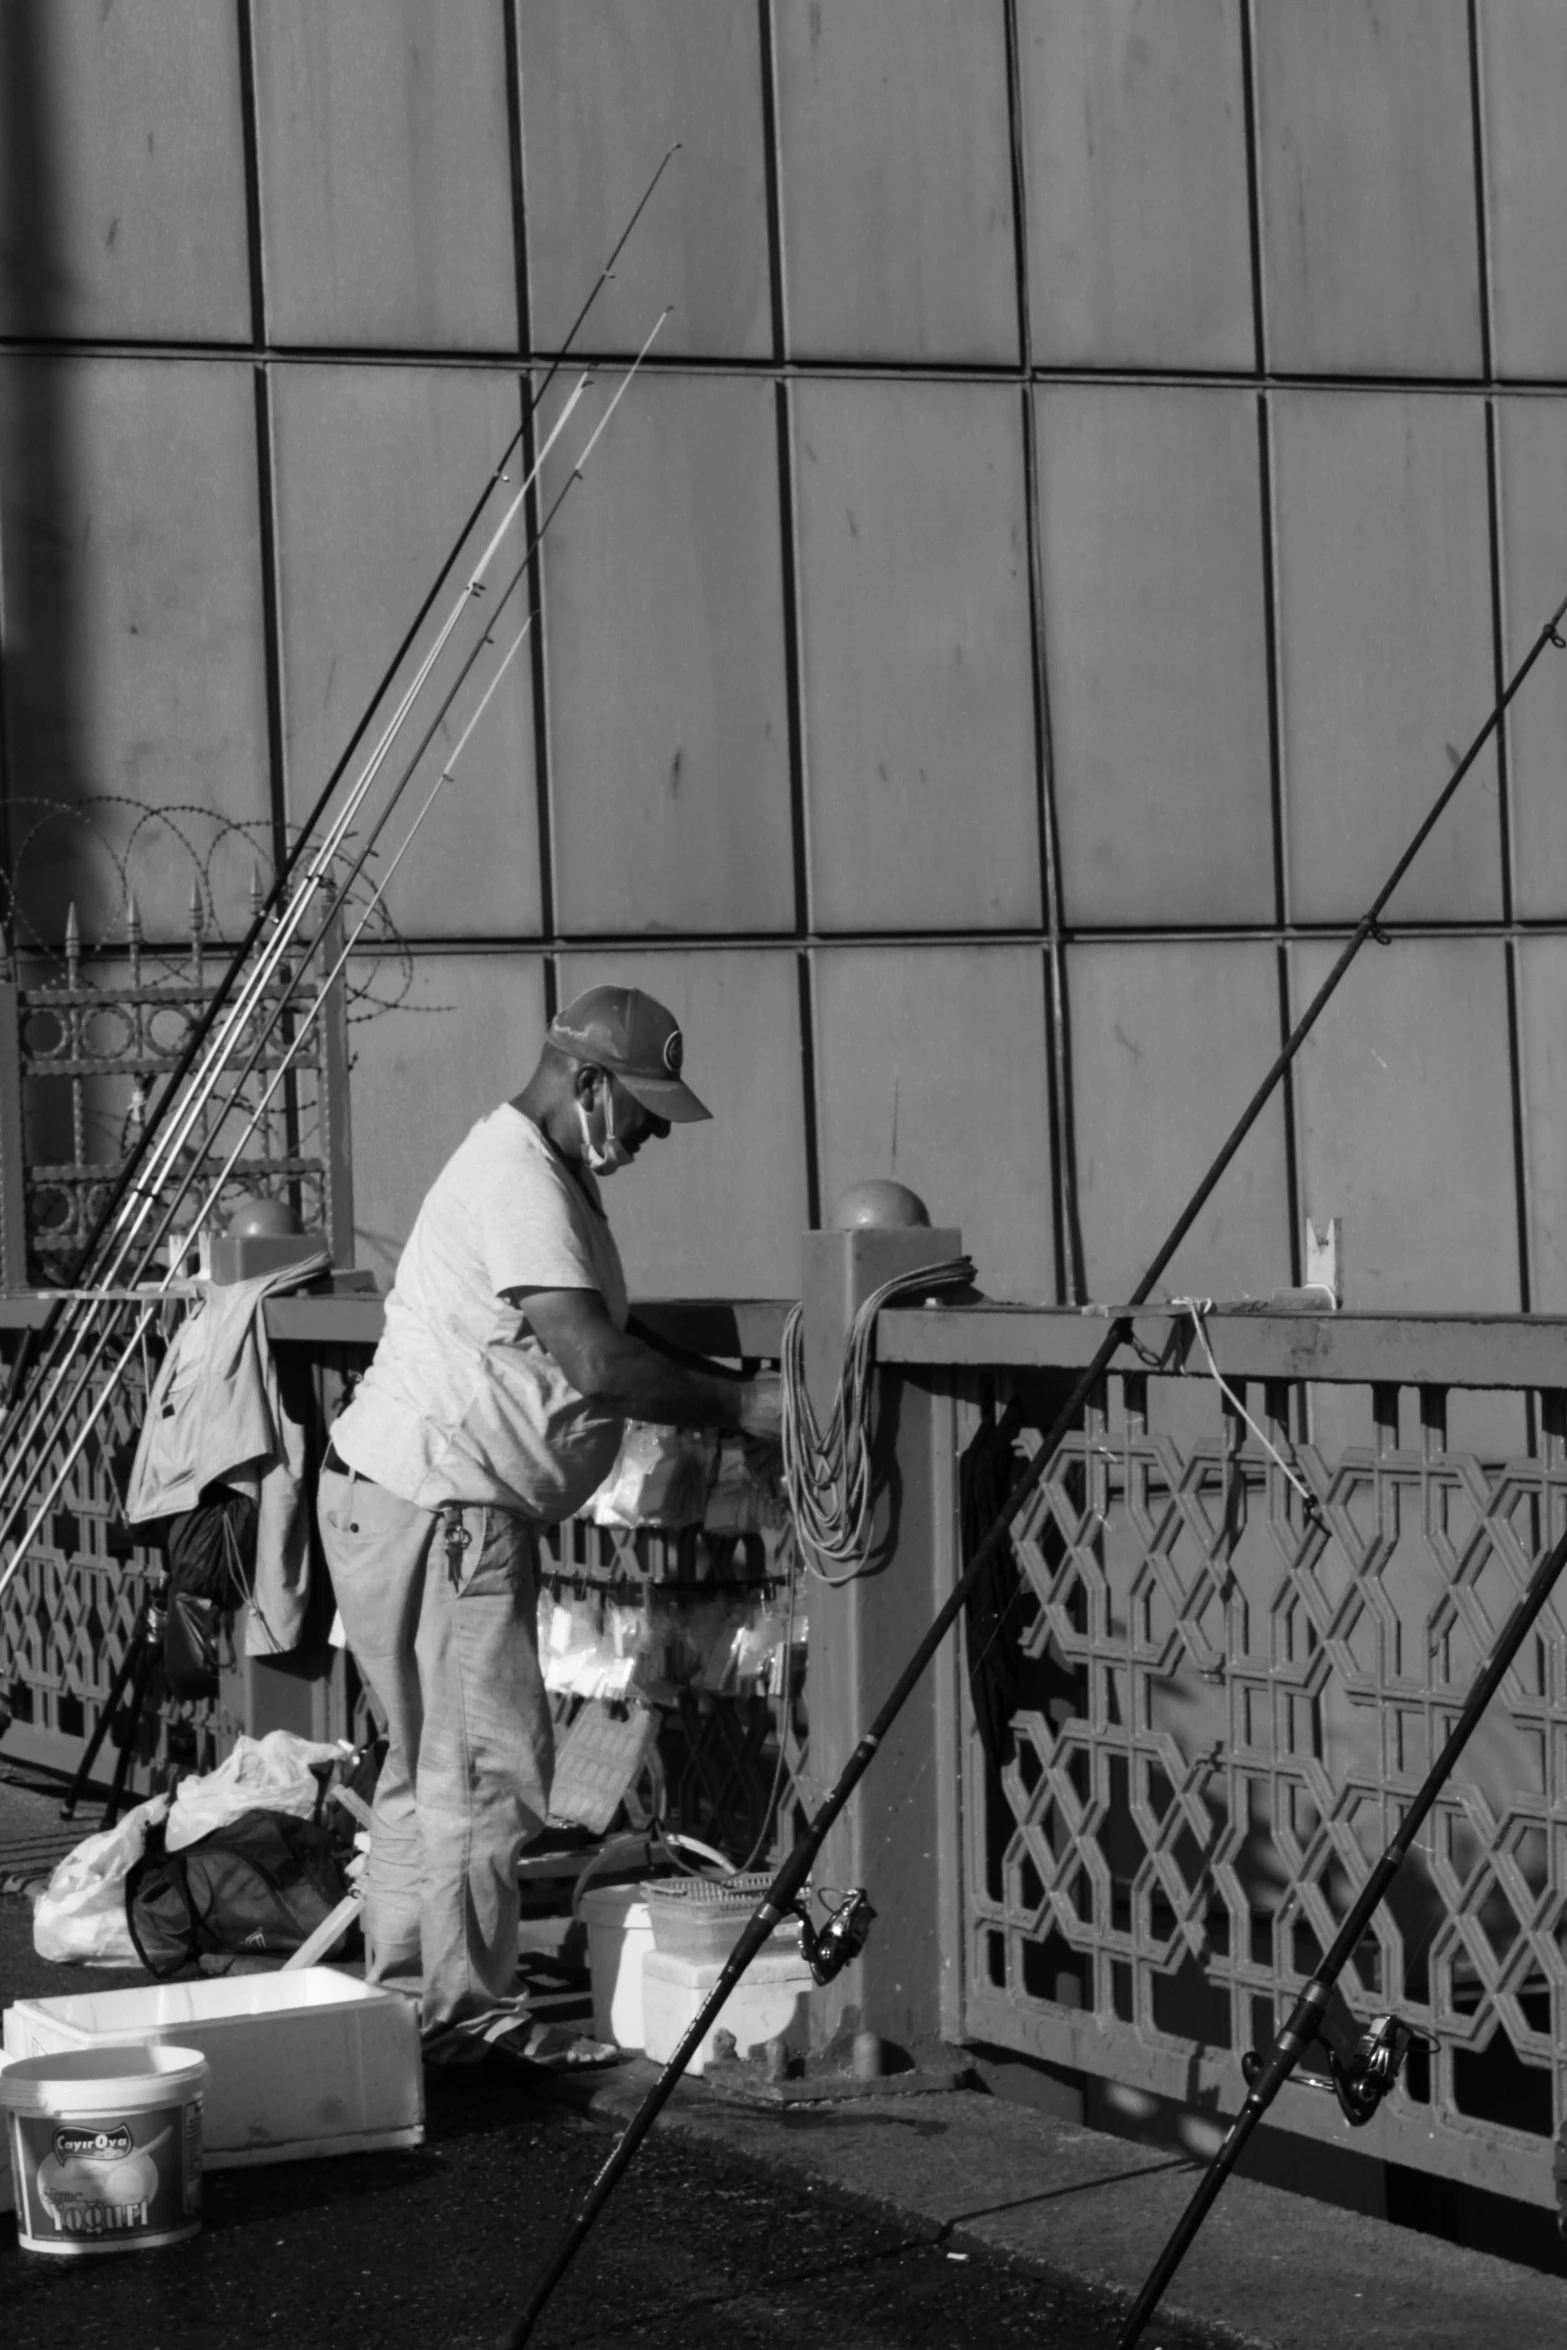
768, 2003
620, 1933
105, 2147
303, 2063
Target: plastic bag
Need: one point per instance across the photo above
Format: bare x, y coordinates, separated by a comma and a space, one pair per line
660, 1478
80, 1914
274, 1773
746, 1495
591, 1647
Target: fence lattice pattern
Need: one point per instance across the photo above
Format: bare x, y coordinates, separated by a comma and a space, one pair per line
1224, 1692
69, 1615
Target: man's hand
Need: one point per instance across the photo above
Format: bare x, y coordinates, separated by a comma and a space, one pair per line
622, 1374
761, 1412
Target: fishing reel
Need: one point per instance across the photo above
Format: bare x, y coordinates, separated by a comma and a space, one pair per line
1359, 2080
830, 1949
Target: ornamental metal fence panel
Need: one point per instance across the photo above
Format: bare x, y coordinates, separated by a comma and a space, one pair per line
1220, 1660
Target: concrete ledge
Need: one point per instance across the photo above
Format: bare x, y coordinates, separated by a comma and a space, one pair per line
1270, 2270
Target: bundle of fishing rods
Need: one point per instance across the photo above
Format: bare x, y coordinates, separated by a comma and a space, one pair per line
249, 1036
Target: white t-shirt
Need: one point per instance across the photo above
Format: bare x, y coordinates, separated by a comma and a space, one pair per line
461, 1402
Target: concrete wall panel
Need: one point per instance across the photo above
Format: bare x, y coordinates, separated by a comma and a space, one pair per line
1523, 45
1532, 440
1384, 650
1169, 1039
931, 1069
1366, 161
1406, 1125
916, 654
896, 181
135, 630
1542, 991
386, 175
375, 470
122, 165
668, 709
1156, 641
604, 91
1138, 230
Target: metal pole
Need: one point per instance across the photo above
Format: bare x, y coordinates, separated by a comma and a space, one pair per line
780, 1895
1307, 2013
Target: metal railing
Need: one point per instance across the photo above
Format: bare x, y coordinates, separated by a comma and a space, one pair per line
1235, 1628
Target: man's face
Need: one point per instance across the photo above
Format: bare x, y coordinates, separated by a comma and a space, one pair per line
633, 1124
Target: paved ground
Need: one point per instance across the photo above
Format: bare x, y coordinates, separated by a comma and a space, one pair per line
439, 2247
892, 2225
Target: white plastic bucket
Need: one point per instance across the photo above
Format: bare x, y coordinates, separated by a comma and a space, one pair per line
619, 1931
105, 2147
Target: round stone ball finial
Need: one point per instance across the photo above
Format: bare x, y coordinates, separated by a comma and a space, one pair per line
253, 1218
879, 1205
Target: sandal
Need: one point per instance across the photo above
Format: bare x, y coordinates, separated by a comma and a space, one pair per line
554, 2048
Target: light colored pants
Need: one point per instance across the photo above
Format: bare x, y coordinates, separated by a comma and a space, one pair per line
453, 1666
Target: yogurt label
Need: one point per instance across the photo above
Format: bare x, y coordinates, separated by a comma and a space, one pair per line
123, 2178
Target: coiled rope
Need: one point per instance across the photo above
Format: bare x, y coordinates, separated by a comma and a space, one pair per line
827, 1472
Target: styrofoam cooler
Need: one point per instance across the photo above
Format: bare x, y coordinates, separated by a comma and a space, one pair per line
620, 1934
768, 2003
7, 2186
301, 2063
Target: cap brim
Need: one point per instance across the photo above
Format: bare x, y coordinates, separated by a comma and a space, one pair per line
666, 1097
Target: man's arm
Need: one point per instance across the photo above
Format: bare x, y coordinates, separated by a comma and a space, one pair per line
623, 1374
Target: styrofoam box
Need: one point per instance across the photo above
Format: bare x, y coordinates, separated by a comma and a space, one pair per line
7, 2184
768, 2003
308, 2062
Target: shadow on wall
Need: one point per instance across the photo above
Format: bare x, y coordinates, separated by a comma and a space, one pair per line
42, 638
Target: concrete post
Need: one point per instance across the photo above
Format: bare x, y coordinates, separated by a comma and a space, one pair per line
898, 1835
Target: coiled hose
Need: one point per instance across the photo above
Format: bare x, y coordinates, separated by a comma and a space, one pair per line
827, 1473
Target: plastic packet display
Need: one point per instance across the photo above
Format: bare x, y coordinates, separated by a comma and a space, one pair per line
591, 1647
660, 1478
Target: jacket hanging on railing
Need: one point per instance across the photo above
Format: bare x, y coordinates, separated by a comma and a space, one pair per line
216, 1415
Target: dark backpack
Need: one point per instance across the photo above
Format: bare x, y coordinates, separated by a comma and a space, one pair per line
210, 1553
259, 1885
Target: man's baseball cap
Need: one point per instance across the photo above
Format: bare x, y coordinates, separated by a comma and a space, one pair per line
626, 1031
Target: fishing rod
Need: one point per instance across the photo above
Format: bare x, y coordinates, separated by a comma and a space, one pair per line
1363, 2078
18, 1472
149, 1299
783, 1895
33, 1339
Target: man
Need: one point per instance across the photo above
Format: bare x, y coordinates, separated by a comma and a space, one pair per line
495, 1405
